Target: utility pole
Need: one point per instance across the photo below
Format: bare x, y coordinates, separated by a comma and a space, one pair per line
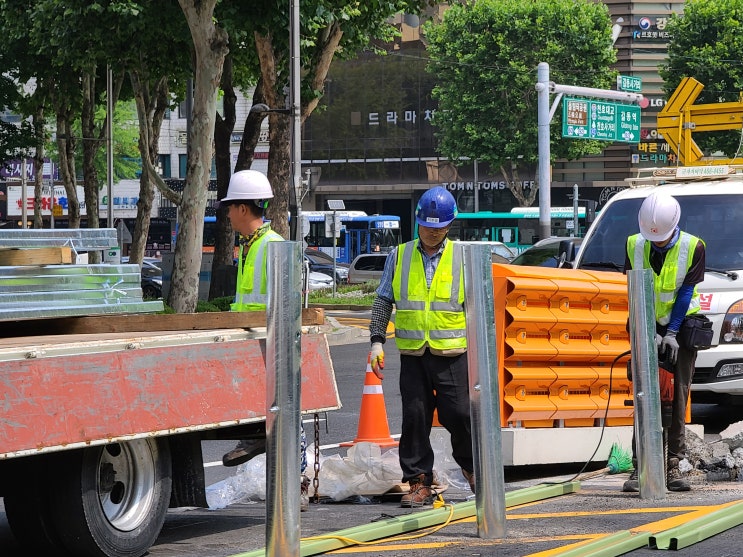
296, 107
544, 116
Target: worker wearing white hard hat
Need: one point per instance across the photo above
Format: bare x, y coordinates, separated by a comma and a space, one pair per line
248, 195
678, 263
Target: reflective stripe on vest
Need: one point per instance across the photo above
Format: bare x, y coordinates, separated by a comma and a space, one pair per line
675, 266
252, 293
436, 314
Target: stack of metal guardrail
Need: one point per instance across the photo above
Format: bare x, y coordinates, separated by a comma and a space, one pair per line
36, 291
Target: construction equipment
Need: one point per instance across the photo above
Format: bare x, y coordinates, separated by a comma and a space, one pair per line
680, 118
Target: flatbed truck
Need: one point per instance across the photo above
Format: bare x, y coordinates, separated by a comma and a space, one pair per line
102, 419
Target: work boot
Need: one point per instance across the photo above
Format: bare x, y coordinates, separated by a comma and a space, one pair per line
304, 494
420, 493
470, 477
244, 451
678, 484
632, 485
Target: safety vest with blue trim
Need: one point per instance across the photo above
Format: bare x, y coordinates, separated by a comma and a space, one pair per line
435, 315
675, 266
252, 293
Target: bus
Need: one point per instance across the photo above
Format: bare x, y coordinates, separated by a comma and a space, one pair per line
359, 233
517, 228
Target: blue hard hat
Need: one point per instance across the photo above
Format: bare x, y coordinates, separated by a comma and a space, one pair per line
436, 208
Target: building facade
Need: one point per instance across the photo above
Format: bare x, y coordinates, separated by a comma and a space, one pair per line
372, 144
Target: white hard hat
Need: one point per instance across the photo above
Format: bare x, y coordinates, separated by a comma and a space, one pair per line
248, 184
658, 217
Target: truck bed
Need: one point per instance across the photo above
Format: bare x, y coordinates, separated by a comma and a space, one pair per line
62, 391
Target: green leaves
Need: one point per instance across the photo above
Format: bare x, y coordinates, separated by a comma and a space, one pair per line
486, 56
707, 44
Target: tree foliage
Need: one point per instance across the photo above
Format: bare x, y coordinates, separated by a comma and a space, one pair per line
707, 44
486, 55
14, 138
329, 29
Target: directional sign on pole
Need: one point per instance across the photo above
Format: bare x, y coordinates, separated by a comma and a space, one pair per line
605, 121
629, 83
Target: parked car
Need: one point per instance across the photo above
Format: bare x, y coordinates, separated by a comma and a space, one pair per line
366, 267
152, 277
500, 252
556, 251
321, 262
319, 281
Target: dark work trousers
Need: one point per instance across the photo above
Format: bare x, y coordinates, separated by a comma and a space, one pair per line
682, 377
420, 376
681, 384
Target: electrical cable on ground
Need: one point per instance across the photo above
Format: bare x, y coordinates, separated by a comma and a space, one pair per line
438, 503
618, 455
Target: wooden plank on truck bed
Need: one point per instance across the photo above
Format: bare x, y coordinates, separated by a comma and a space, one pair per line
125, 323
14, 257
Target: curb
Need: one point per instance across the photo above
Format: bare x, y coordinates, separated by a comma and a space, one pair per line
337, 334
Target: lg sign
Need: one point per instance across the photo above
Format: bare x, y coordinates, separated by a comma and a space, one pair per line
650, 102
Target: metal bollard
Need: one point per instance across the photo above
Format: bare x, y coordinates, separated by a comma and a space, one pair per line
482, 361
283, 377
648, 426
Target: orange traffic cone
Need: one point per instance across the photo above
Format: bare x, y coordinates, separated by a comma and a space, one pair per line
373, 424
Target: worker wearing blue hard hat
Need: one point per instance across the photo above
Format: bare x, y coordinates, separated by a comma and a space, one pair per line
424, 280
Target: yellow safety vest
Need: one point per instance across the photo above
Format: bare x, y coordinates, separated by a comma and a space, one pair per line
433, 316
251, 293
675, 266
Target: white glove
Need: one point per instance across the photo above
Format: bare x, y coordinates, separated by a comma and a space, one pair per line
658, 340
670, 346
377, 356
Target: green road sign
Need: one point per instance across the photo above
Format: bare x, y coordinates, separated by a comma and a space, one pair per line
629, 83
605, 121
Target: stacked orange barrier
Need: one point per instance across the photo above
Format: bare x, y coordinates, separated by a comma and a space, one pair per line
558, 332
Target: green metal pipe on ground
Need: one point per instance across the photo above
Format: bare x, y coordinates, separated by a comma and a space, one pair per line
699, 529
417, 521
615, 544
675, 538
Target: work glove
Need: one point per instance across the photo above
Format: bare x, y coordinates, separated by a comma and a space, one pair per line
670, 346
376, 358
658, 341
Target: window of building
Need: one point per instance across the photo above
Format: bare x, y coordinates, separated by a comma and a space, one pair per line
165, 166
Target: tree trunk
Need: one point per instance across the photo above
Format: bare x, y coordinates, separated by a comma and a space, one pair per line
66, 152
210, 48
279, 136
224, 245
524, 196
90, 148
279, 171
40, 138
251, 131
151, 108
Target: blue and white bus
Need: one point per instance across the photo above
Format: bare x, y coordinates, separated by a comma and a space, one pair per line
359, 233
518, 228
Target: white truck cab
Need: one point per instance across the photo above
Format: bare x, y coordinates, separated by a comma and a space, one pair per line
712, 209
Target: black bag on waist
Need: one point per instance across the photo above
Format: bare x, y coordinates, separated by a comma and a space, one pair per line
696, 332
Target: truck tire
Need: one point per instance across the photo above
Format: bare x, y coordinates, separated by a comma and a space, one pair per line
28, 511
112, 499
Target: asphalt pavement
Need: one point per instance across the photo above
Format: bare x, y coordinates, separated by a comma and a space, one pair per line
548, 512
569, 516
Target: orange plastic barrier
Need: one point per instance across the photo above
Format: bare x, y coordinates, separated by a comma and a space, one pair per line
559, 331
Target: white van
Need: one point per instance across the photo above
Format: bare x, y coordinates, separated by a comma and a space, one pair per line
711, 209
